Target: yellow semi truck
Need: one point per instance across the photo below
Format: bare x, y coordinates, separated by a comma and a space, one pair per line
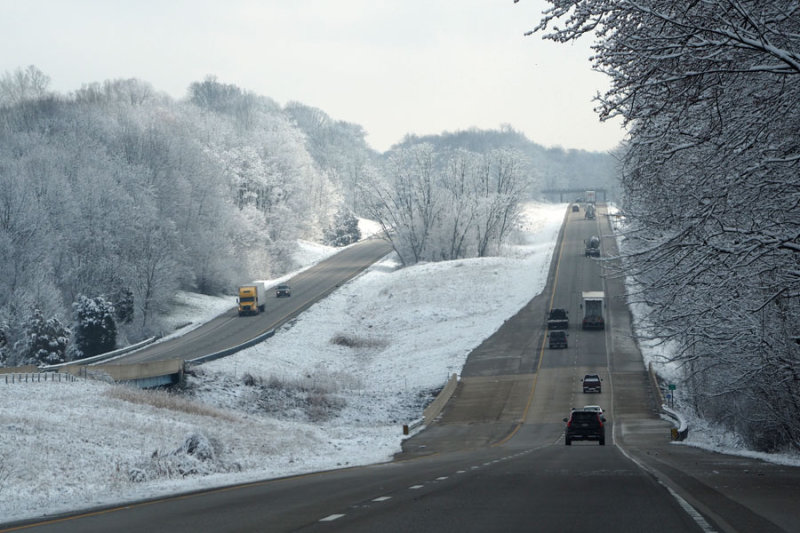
252, 299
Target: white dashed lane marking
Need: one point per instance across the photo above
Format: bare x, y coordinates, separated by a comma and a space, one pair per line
331, 518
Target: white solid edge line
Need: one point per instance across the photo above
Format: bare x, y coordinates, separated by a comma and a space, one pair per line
690, 510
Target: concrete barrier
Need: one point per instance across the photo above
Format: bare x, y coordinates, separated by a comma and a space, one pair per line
139, 371
430, 413
28, 369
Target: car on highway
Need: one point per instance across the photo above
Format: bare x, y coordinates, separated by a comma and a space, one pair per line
283, 290
558, 339
585, 425
592, 383
575, 208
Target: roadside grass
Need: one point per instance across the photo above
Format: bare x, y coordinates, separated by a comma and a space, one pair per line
355, 341
164, 400
312, 397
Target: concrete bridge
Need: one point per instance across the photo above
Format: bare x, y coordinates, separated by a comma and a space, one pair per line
573, 193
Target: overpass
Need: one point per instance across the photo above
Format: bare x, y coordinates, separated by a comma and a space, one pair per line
573, 193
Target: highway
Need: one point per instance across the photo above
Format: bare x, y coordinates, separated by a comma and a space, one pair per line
229, 329
495, 460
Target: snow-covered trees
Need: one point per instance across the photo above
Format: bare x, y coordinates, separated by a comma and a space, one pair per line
43, 342
440, 206
710, 92
95, 330
344, 229
23, 85
119, 190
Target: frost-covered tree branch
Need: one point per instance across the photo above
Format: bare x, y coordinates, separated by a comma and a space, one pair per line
709, 91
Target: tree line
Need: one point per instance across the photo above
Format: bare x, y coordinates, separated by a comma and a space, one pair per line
115, 196
709, 92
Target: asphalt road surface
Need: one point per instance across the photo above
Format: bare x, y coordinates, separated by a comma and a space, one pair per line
495, 460
229, 329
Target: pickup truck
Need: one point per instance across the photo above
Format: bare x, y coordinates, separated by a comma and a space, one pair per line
558, 319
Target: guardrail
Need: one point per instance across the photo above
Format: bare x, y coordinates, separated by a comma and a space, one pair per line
433, 410
232, 350
682, 431
98, 358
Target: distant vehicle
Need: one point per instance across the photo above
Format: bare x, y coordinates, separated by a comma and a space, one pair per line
558, 319
558, 339
252, 299
593, 310
592, 383
589, 215
585, 425
593, 246
575, 208
283, 290
590, 197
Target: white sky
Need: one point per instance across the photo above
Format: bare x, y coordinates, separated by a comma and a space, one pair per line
395, 67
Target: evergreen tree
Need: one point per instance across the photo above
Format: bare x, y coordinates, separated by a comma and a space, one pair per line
44, 341
123, 306
344, 230
95, 328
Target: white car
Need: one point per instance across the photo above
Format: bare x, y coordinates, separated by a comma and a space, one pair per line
596, 408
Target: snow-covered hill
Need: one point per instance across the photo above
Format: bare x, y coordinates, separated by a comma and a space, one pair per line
331, 389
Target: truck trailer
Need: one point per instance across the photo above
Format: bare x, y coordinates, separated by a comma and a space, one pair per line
252, 299
593, 246
593, 310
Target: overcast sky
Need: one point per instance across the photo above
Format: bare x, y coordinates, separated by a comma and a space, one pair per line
393, 66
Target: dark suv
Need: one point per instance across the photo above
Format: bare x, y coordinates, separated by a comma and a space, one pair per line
591, 383
585, 425
558, 339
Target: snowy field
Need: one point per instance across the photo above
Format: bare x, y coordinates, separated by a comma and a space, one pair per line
331, 389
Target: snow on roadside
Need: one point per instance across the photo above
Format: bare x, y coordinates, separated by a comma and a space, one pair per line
331, 389
190, 310
702, 433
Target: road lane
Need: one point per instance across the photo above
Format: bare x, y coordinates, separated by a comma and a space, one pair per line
229, 329
496, 459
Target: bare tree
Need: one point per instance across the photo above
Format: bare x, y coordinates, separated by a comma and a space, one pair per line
23, 84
